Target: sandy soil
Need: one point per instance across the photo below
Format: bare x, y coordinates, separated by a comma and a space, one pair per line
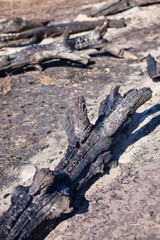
124, 203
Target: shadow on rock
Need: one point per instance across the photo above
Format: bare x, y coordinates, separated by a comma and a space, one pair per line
129, 136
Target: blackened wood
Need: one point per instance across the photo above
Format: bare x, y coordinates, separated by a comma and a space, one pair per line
153, 67
35, 209
37, 54
53, 30
76, 123
40, 33
63, 48
110, 7
117, 51
92, 39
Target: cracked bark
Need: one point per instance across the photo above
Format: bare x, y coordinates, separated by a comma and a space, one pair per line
38, 208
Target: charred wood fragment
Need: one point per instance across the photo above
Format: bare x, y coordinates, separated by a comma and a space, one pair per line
89, 40
40, 206
153, 67
118, 52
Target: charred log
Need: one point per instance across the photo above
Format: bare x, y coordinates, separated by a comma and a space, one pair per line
39, 33
110, 8
64, 48
50, 197
113, 7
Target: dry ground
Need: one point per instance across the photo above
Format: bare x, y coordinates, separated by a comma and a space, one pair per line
123, 203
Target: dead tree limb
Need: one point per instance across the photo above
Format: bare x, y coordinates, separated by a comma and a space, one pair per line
63, 49
37, 54
114, 6
40, 33
118, 52
37, 209
153, 67
109, 8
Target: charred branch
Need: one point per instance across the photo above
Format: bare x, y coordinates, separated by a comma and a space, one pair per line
109, 8
60, 49
64, 48
45, 202
39, 33
113, 7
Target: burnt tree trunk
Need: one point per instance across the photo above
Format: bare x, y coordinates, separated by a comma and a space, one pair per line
38, 208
